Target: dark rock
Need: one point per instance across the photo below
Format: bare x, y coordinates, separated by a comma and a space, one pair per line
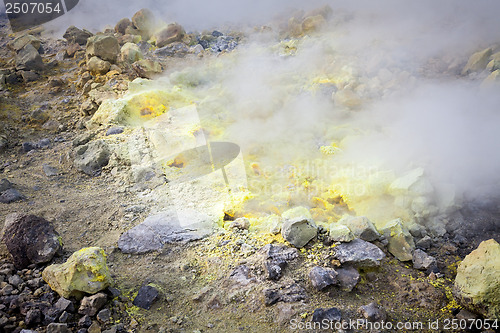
85, 321
58, 328
75, 35
28, 146
64, 304
373, 312
424, 243
359, 253
104, 316
64, 317
224, 43
276, 258
29, 76
30, 239
114, 292
241, 275
10, 195
15, 280
176, 49
287, 294
172, 33
146, 296
29, 59
348, 277
5, 185
422, 260
114, 130
216, 33
122, 25
90, 305
90, 158
33, 317
321, 277
330, 315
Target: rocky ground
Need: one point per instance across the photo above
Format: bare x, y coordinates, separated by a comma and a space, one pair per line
63, 168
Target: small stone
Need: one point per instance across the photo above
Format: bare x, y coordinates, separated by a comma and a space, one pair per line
15, 280
78, 36
28, 146
29, 76
58, 328
321, 277
424, 243
359, 253
85, 321
64, 304
373, 312
422, 260
348, 278
50, 171
330, 315
287, 294
275, 259
90, 305
104, 316
114, 131
241, 223
98, 66
94, 328
130, 53
64, 317
5, 185
7, 290
401, 244
90, 158
146, 296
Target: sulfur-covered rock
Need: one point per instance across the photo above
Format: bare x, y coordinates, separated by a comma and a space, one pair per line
298, 227
172, 33
29, 59
103, 46
85, 271
130, 53
78, 36
361, 227
477, 284
477, 62
144, 21
401, 244
340, 233
96, 65
30, 239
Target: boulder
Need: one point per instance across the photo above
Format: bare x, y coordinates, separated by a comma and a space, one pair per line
91, 157
144, 21
359, 253
78, 36
401, 244
29, 59
298, 227
340, 233
130, 53
477, 62
103, 46
241, 223
30, 239
98, 66
477, 284
172, 33
20, 42
361, 227
85, 271
322, 277
122, 25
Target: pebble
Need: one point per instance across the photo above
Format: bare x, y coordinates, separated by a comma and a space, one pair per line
330, 314
146, 296
114, 131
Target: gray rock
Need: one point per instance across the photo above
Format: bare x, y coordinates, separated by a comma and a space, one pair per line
424, 243
28, 146
21, 41
348, 278
5, 185
82, 139
224, 43
359, 253
29, 59
321, 277
85, 321
29, 76
373, 312
104, 47
146, 296
10, 195
241, 276
401, 244
33, 317
298, 231
78, 36
163, 228
64, 304
286, 294
50, 171
422, 260
330, 315
114, 131
58, 328
122, 25
104, 316
90, 305
90, 158
361, 227
276, 258
30, 239
177, 49
15, 280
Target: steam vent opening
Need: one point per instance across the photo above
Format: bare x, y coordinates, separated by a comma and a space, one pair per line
249, 166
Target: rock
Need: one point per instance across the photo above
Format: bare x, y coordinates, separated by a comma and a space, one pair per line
114, 131
312, 23
85, 321
88, 108
422, 260
72, 49
75, 35
146, 296
29, 76
144, 21
241, 223
477, 62
90, 305
477, 284
241, 276
298, 227
20, 42
160, 229
29, 59
224, 43
104, 47
50, 171
58, 328
10, 195
90, 158
122, 25
5, 185
359, 253
84, 272
340, 233
172, 33
401, 244
286, 294
361, 227
322, 277
147, 68
33, 317
130, 53
348, 278
424, 243
329, 315
275, 259
30, 239
98, 66
82, 139
175, 49
373, 312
